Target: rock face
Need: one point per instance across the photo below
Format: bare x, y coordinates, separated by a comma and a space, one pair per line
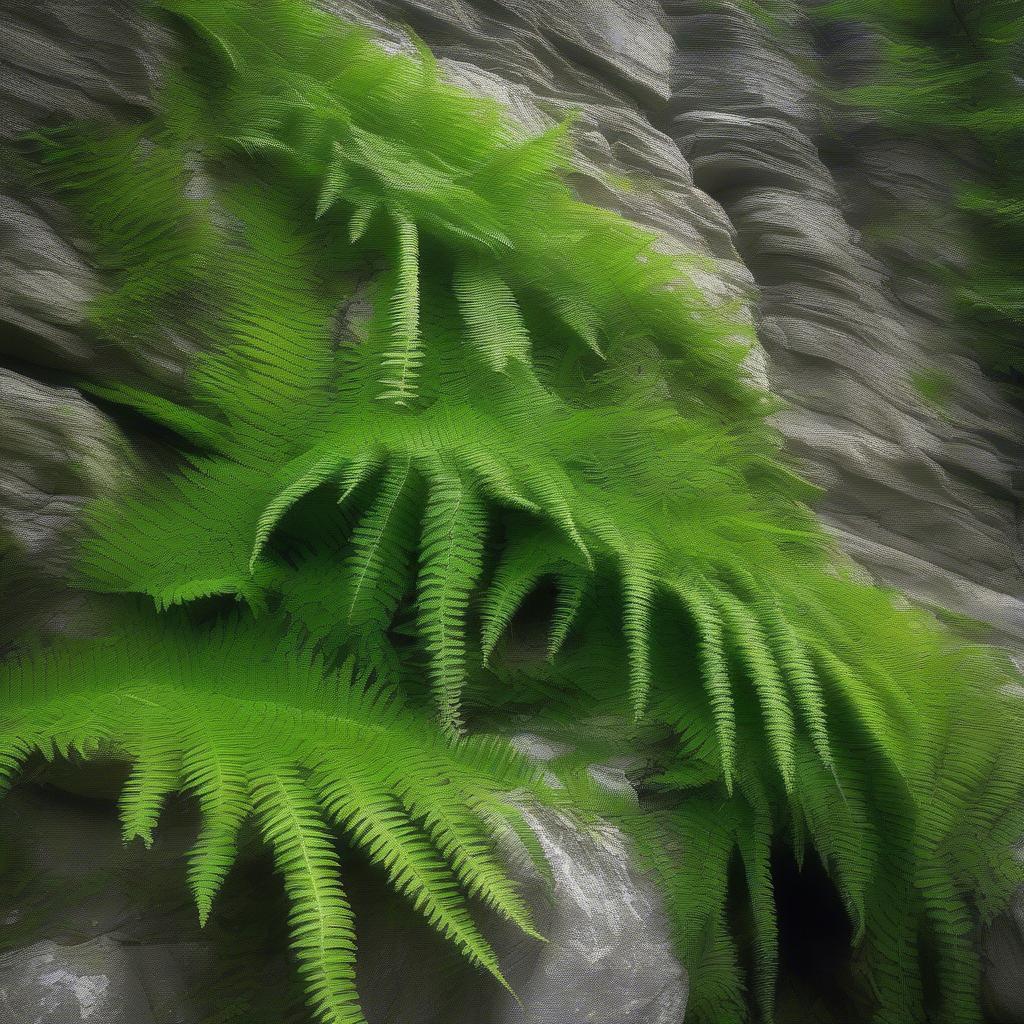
830, 226
128, 949
823, 223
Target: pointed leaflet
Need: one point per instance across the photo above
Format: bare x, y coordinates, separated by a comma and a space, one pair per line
401, 362
321, 920
572, 586
798, 669
493, 321
360, 220
364, 806
382, 544
154, 775
711, 648
638, 598
525, 561
451, 557
749, 640
306, 473
213, 769
334, 181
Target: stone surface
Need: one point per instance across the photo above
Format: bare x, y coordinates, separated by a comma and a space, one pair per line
127, 949
56, 450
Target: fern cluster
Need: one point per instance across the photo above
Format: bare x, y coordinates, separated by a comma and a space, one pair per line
436, 387
955, 68
253, 730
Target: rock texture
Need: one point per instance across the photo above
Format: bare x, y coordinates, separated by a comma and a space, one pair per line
128, 949
830, 226
823, 223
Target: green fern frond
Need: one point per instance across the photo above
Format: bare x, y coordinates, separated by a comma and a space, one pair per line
454, 524
333, 186
291, 748
379, 566
493, 320
401, 363
759, 662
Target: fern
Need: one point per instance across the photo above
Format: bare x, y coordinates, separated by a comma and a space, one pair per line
298, 751
452, 545
954, 69
560, 405
401, 363
493, 319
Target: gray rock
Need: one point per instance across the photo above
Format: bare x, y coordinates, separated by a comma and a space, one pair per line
51, 984
127, 948
1003, 950
609, 958
56, 451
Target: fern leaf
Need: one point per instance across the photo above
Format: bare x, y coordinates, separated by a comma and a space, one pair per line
524, 563
711, 641
360, 220
497, 479
187, 423
333, 185
378, 823
637, 600
550, 493
572, 586
579, 319
154, 776
798, 669
321, 920
355, 472
380, 563
215, 773
450, 563
493, 321
402, 360
304, 475
466, 847
746, 633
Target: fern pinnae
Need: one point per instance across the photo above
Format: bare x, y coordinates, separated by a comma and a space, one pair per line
451, 560
745, 632
549, 490
402, 360
710, 635
521, 567
493, 320
360, 220
381, 546
799, 671
379, 824
572, 587
497, 480
335, 178
321, 920
154, 776
216, 775
314, 473
578, 318
356, 471
460, 838
638, 592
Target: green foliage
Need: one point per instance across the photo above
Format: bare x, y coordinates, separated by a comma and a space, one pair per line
253, 731
934, 386
536, 399
955, 69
